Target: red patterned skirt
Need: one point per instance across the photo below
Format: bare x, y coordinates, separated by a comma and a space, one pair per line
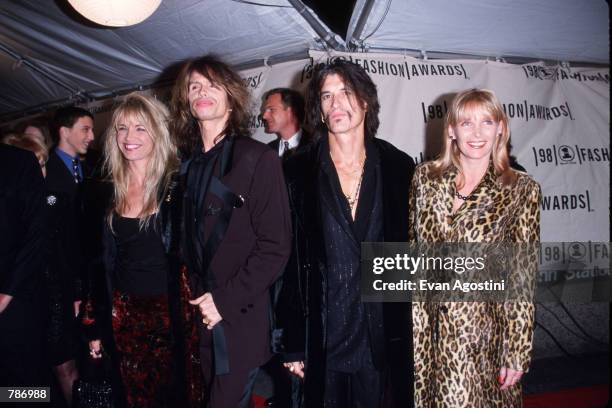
146, 351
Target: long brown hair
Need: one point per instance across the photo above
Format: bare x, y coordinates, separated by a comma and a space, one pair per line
164, 162
185, 130
354, 77
462, 105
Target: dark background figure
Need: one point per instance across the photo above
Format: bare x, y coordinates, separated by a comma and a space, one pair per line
35, 128
22, 313
282, 111
240, 240
346, 188
72, 130
59, 241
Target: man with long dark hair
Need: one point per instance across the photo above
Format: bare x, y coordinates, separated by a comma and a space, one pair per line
348, 187
237, 230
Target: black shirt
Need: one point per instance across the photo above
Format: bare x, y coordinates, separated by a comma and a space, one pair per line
141, 267
197, 186
367, 190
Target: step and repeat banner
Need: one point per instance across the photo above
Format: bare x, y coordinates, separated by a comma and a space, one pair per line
559, 122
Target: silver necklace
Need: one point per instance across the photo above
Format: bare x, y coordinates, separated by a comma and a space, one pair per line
352, 200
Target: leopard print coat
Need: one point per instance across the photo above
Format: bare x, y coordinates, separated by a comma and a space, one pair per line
459, 347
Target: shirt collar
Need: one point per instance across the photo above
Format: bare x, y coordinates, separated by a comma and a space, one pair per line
65, 156
67, 160
293, 141
488, 180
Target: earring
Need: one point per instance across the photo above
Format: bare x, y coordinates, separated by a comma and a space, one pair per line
322, 118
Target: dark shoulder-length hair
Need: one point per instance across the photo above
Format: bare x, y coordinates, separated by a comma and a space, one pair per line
184, 127
354, 77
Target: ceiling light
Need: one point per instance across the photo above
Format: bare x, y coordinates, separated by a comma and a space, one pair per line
115, 13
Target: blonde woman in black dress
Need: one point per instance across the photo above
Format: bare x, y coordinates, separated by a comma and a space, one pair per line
150, 317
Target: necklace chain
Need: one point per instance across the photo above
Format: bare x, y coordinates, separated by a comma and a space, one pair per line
462, 197
352, 200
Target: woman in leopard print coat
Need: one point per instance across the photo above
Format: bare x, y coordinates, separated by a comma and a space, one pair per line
473, 354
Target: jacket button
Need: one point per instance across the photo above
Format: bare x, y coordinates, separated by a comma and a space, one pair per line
243, 310
449, 219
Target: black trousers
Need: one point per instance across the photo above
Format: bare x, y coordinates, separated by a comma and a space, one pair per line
361, 389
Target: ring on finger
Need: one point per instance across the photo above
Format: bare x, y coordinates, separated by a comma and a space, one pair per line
291, 368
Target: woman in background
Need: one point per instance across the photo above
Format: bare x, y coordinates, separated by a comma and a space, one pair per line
63, 288
33, 144
473, 354
35, 129
150, 320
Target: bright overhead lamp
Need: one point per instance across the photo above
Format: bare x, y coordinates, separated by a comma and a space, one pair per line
115, 13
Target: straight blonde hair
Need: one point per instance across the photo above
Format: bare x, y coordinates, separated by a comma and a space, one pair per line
463, 104
162, 165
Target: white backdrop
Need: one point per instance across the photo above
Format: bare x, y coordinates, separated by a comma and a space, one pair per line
559, 122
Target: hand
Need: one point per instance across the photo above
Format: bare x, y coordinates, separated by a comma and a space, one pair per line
4, 301
508, 377
77, 307
296, 368
208, 309
95, 349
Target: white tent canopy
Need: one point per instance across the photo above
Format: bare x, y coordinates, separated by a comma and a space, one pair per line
50, 55
561, 30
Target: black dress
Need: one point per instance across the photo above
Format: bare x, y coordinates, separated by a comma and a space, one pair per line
140, 317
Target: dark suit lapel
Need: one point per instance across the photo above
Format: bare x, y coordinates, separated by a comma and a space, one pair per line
394, 196
274, 144
58, 174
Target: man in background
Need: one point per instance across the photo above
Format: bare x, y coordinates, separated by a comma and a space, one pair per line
283, 113
72, 128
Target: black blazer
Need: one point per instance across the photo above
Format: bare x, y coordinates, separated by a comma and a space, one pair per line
253, 252
21, 222
59, 178
301, 301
